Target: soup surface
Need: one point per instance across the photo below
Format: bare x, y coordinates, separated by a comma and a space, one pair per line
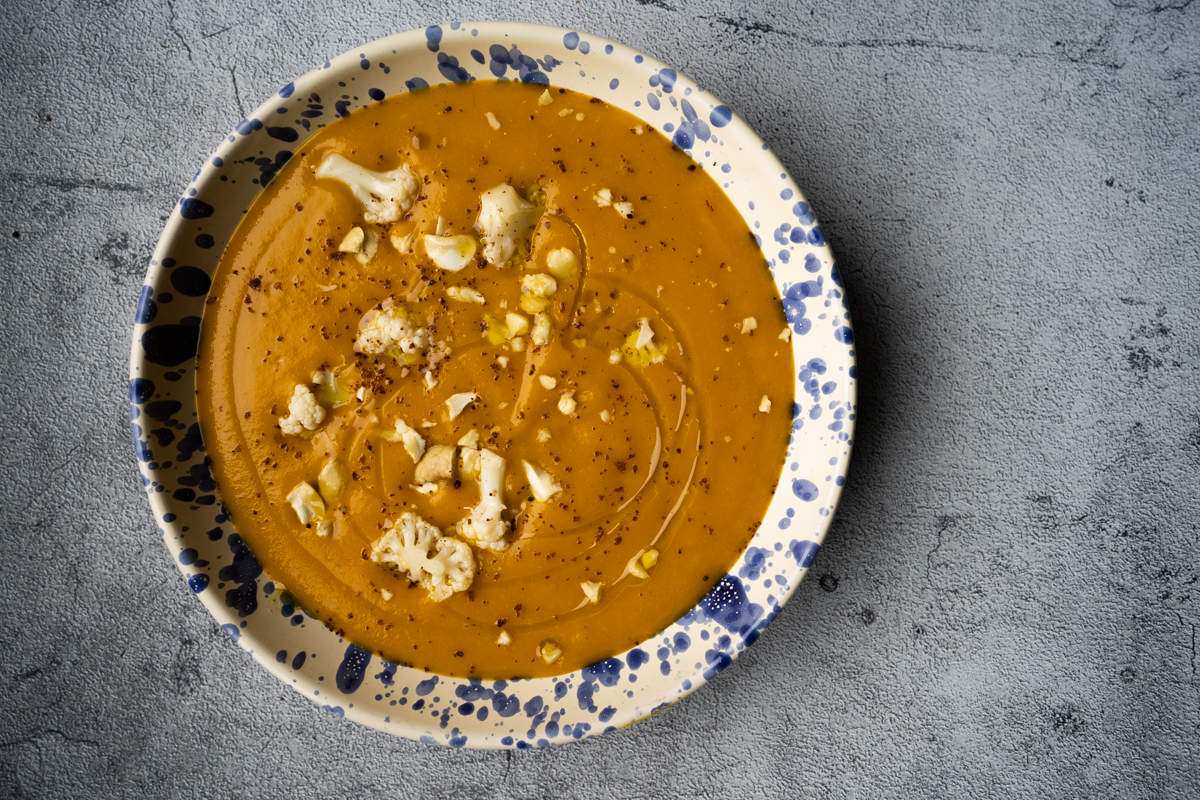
549, 352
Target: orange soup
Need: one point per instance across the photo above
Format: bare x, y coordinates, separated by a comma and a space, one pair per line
494, 380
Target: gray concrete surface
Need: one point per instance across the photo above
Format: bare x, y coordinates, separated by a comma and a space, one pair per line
1007, 604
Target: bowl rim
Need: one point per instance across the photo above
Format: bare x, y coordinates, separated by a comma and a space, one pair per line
206, 183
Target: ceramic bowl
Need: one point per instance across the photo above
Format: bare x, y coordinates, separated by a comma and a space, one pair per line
338, 675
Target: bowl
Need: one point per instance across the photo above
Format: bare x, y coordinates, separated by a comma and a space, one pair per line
338, 675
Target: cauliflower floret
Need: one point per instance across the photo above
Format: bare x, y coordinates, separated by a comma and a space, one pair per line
392, 332
304, 412
540, 335
503, 216
539, 284
562, 263
484, 525
441, 564
385, 196
641, 349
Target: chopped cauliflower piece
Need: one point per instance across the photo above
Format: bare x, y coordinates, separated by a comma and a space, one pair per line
385, 196
437, 464
424, 488
614, 357
650, 558
332, 481
491, 118
547, 382
430, 380
307, 504
546, 98
543, 435
765, 405
504, 638
567, 404
353, 241
634, 567
385, 594
539, 284
562, 263
392, 332
464, 294
518, 344
540, 335
550, 651
749, 324
503, 216
624, 209
442, 565
606, 416
457, 402
516, 325
786, 334
450, 253
591, 590
304, 413
502, 361
566, 112
541, 483
484, 525
470, 439
603, 198
414, 443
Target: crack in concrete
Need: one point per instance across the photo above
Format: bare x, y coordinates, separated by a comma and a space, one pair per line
237, 93
174, 30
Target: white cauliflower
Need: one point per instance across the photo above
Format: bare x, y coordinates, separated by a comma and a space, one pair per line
304, 412
540, 335
414, 443
392, 332
385, 196
441, 564
503, 216
484, 525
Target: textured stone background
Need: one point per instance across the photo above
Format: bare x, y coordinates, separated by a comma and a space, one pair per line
1007, 603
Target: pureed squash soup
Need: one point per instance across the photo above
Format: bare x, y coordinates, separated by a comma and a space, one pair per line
494, 380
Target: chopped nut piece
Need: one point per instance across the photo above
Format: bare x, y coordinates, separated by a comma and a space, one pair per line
502, 361
430, 381
436, 465
402, 243
550, 651
414, 443
592, 590
634, 567
567, 404
562, 263
517, 325
566, 112
353, 241
370, 245
546, 98
464, 294
749, 324
547, 382
504, 638
518, 344
765, 405
533, 305
624, 209
541, 330
606, 416
603, 198
457, 402
539, 285
491, 118
579, 116
541, 483
543, 435
386, 594
614, 357
786, 334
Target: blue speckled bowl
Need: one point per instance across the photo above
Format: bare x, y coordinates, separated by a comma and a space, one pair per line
314, 661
